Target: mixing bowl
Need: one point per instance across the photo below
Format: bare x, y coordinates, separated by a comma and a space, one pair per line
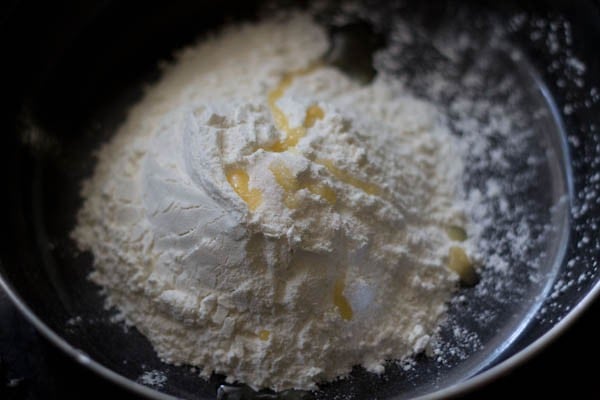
71, 72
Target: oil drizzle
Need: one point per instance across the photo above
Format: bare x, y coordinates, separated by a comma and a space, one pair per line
313, 113
239, 181
340, 301
264, 335
344, 177
290, 183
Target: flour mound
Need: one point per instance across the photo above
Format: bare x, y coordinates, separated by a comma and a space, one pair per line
278, 264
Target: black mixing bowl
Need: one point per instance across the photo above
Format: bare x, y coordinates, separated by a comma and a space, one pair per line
70, 71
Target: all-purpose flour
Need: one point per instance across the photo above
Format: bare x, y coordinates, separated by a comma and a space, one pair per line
263, 216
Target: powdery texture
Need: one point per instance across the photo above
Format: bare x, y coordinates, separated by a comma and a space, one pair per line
342, 265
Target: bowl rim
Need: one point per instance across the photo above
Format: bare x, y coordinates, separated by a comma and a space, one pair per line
460, 388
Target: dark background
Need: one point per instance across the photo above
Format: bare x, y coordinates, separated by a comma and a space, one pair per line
32, 368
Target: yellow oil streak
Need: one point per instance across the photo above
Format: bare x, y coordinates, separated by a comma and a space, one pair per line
344, 177
284, 177
264, 335
290, 183
340, 301
238, 179
323, 191
313, 113
456, 233
459, 262
293, 135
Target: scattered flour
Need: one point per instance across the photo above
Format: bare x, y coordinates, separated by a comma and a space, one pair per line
263, 216
153, 378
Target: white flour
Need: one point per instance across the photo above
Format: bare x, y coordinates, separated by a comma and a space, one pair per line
278, 262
